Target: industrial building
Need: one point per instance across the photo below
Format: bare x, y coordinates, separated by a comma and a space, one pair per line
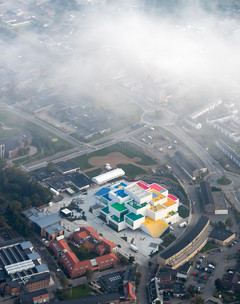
193, 169
187, 247
213, 202
221, 236
138, 205
96, 243
106, 177
21, 267
48, 226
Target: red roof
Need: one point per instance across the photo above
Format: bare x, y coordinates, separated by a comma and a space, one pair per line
69, 259
156, 187
129, 290
82, 234
172, 197
101, 247
106, 257
89, 245
143, 185
89, 229
62, 244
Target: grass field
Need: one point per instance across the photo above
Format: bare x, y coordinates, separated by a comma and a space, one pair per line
94, 172
183, 211
131, 170
76, 292
122, 147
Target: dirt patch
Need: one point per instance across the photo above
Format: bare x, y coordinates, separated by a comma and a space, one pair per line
113, 159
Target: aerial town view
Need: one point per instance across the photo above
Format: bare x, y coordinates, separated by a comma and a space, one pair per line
119, 151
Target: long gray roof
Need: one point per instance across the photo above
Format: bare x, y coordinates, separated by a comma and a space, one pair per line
46, 220
192, 234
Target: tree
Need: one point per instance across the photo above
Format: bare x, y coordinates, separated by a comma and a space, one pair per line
131, 259
150, 263
64, 281
229, 222
89, 274
219, 284
83, 250
51, 167
197, 300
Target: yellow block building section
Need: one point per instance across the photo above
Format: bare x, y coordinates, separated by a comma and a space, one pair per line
156, 228
169, 203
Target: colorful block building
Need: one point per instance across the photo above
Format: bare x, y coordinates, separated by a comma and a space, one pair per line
138, 205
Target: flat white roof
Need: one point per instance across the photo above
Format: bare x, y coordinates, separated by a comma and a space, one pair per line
18, 267
66, 211
137, 190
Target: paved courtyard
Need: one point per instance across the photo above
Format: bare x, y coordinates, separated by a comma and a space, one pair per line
145, 243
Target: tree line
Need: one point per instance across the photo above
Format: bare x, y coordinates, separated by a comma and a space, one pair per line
18, 193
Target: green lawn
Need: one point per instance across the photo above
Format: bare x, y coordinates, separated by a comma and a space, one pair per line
224, 181
208, 246
131, 170
94, 172
183, 211
76, 292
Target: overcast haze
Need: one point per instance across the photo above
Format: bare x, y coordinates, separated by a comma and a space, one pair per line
191, 48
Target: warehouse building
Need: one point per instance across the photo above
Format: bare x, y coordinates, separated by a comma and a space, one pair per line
48, 226
21, 268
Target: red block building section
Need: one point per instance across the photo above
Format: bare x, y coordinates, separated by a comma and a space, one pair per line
95, 243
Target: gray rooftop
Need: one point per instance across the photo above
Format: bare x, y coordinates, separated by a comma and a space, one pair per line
33, 256
42, 268
46, 220
55, 228
26, 245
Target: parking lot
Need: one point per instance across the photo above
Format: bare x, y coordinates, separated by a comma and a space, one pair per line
203, 276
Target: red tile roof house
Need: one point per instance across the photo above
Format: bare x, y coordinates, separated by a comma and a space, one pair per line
89, 237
